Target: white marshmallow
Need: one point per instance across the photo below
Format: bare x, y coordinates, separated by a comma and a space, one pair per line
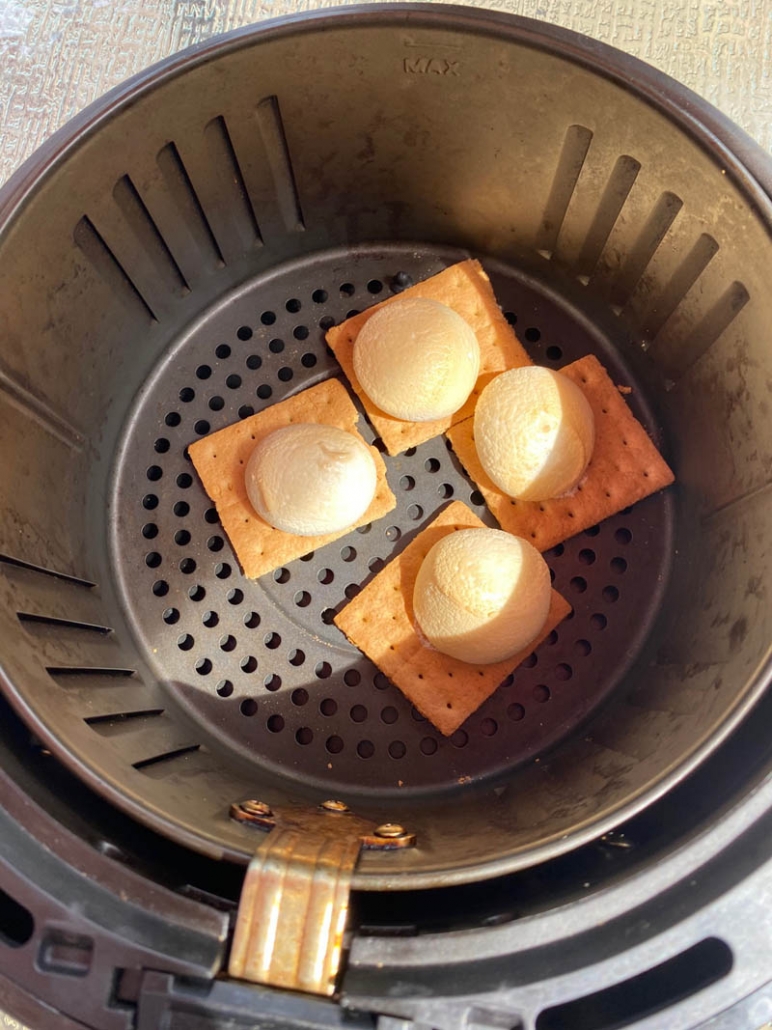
482, 595
310, 479
534, 432
417, 359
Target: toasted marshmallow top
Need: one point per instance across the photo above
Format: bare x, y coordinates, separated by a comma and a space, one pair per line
417, 359
534, 432
482, 595
310, 479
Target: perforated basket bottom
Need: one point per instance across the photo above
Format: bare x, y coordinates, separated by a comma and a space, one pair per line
258, 663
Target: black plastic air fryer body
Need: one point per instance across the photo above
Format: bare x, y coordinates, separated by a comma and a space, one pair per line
592, 846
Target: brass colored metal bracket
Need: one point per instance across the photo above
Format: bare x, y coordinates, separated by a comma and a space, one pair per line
295, 900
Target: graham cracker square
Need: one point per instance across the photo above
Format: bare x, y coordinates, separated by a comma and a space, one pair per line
466, 288
380, 622
625, 467
220, 460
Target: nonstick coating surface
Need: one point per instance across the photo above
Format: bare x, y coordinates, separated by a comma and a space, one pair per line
258, 663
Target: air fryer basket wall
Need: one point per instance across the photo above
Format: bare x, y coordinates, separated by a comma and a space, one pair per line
389, 131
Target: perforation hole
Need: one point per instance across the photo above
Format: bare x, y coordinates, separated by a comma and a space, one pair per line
210, 619
397, 749
541, 693
296, 657
299, 697
304, 736
428, 746
203, 666
275, 724
248, 707
216, 403
515, 712
554, 353
272, 641
224, 688
272, 682
334, 745
325, 576
323, 670
365, 749
244, 333
276, 346
432, 465
248, 664
610, 594
623, 536
532, 334
563, 671
618, 565
358, 713
222, 351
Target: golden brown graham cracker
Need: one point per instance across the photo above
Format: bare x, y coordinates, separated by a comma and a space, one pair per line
466, 288
220, 460
625, 467
380, 622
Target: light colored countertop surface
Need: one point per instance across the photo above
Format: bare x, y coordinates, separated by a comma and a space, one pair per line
56, 56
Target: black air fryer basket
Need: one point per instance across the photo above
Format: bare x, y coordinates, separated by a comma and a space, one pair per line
169, 264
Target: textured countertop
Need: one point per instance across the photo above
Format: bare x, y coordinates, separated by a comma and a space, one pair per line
56, 56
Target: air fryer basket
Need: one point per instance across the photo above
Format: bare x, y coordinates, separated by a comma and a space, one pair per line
173, 267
